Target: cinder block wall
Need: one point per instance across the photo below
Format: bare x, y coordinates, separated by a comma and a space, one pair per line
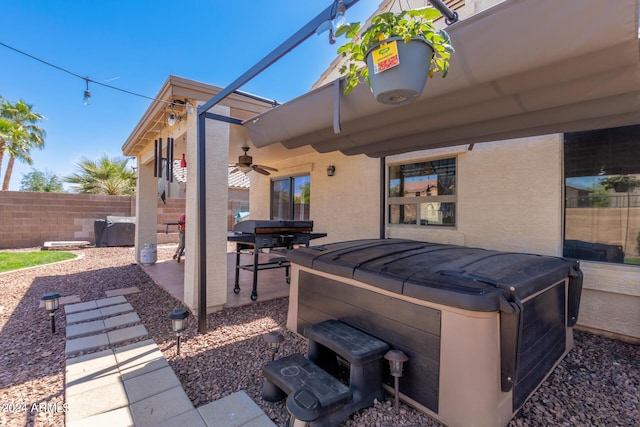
28, 219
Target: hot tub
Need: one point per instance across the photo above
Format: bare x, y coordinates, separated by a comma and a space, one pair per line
482, 329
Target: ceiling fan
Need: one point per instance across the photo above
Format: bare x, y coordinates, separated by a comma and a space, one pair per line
245, 164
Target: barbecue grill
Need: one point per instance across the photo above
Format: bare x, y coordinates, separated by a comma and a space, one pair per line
268, 234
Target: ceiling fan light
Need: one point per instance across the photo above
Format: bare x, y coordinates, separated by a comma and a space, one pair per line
244, 168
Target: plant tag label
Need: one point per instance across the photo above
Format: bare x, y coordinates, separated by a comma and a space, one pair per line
385, 57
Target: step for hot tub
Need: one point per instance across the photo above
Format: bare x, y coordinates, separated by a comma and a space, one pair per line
292, 373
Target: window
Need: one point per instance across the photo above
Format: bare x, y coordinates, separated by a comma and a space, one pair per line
423, 194
290, 198
602, 195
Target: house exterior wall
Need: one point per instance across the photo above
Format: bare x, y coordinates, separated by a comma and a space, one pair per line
346, 206
509, 196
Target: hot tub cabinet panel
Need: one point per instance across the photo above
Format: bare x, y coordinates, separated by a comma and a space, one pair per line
482, 329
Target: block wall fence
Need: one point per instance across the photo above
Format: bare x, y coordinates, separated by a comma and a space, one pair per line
28, 219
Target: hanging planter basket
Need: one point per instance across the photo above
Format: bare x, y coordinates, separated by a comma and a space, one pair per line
398, 71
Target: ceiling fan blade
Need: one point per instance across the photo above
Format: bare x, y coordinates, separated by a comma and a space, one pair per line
269, 168
260, 170
234, 170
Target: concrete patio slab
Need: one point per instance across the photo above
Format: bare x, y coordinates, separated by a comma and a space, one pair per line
120, 417
84, 316
167, 404
234, 410
111, 301
85, 343
126, 334
123, 291
86, 328
82, 306
146, 385
121, 320
116, 309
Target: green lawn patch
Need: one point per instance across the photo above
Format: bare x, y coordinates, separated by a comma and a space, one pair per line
16, 260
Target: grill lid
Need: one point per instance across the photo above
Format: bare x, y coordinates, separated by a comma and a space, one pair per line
263, 226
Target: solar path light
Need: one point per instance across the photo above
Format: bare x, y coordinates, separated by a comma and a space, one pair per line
273, 340
178, 322
396, 359
51, 304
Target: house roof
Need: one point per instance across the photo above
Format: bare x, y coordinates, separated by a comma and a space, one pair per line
521, 68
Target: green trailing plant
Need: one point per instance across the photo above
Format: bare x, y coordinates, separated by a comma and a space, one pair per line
407, 24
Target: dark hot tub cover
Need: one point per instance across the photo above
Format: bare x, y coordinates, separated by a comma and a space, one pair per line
457, 276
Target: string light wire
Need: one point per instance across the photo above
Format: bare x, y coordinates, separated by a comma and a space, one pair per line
87, 79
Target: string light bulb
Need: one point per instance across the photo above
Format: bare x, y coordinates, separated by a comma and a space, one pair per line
339, 20
171, 120
87, 94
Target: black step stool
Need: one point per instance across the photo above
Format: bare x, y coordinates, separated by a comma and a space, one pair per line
315, 393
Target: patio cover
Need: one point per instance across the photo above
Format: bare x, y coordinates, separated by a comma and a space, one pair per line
521, 68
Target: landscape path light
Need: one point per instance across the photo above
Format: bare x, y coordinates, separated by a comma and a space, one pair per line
273, 340
51, 304
396, 359
178, 322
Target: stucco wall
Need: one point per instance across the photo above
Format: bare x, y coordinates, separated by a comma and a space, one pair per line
509, 196
346, 206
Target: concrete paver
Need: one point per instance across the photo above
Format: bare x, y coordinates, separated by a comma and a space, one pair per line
143, 386
143, 368
121, 320
162, 406
111, 301
116, 309
83, 316
82, 306
234, 410
188, 419
85, 343
89, 366
122, 291
126, 334
86, 328
96, 401
120, 417
136, 354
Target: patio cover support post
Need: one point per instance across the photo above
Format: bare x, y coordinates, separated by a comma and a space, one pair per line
293, 41
383, 192
201, 245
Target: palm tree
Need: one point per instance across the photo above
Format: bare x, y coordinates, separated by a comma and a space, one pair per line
104, 176
18, 134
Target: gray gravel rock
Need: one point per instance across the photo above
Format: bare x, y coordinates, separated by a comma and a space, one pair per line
597, 384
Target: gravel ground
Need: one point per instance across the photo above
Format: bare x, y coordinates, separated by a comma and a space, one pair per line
597, 384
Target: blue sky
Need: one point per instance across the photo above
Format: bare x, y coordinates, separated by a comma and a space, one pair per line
135, 45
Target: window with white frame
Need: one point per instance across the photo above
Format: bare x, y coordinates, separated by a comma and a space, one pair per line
423, 193
602, 195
